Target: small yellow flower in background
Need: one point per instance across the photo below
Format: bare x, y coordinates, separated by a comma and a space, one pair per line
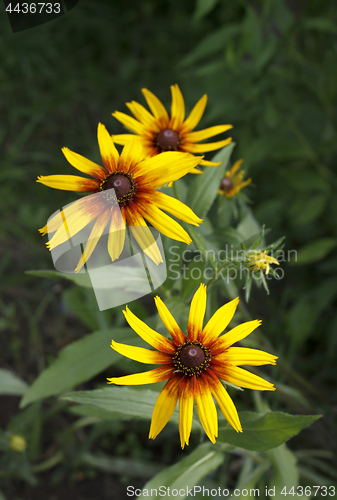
158, 132
17, 443
260, 261
233, 182
194, 366
135, 182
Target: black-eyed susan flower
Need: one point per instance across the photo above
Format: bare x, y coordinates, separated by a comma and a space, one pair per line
233, 181
158, 132
260, 261
135, 181
194, 365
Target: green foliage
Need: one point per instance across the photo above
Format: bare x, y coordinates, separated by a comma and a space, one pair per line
11, 384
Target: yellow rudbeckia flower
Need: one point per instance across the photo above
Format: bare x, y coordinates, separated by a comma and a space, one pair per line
260, 261
135, 181
233, 181
194, 365
158, 132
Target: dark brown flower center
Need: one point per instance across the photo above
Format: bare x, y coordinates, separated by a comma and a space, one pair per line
226, 184
123, 185
192, 358
168, 140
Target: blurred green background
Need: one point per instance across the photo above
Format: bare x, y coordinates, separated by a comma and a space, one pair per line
269, 67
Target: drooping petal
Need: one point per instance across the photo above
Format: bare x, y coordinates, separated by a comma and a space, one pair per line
96, 233
238, 376
234, 168
142, 115
206, 407
69, 183
197, 313
165, 224
157, 108
170, 323
165, 406
130, 123
166, 167
195, 115
142, 234
206, 163
201, 135
109, 153
74, 218
142, 355
175, 207
116, 237
146, 333
203, 148
186, 401
219, 321
84, 165
151, 377
224, 401
177, 108
235, 335
244, 356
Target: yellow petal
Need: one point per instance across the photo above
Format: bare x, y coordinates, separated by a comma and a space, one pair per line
133, 153
122, 138
109, 153
177, 108
84, 165
166, 167
206, 407
219, 321
224, 401
164, 407
146, 333
130, 123
165, 224
142, 234
142, 355
244, 356
197, 313
170, 323
195, 116
186, 401
116, 233
210, 163
243, 378
236, 334
234, 168
93, 239
200, 135
175, 207
151, 377
69, 183
203, 148
156, 107
74, 217
142, 115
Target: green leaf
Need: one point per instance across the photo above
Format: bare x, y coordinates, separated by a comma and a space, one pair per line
203, 7
249, 227
315, 251
11, 384
125, 466
78, 362
193, 275
204, 188
81, 279
124, 401
201, 245
188, 471
261, 432
285, 472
